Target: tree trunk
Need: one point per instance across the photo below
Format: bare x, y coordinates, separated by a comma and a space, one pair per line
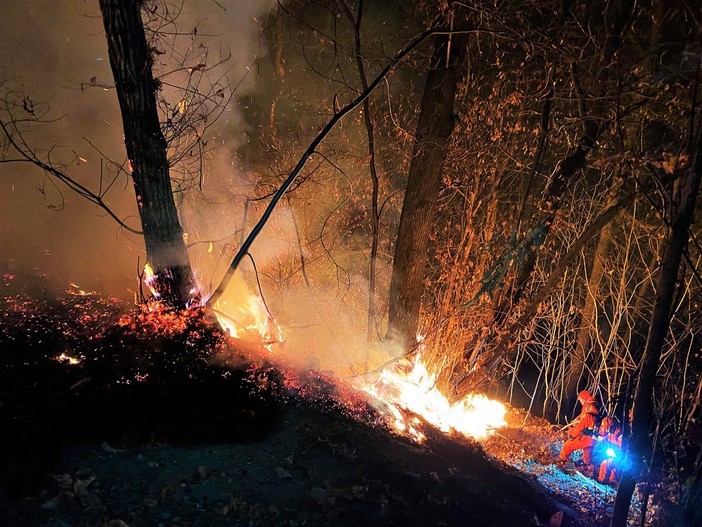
550, 204
588, 318
375, 180
504, 350
130, 59
684, 198
523, 255
593, 126
436, 123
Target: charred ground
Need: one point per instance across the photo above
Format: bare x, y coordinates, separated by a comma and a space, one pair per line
163, 421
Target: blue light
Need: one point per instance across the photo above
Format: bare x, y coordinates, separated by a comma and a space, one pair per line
611, 453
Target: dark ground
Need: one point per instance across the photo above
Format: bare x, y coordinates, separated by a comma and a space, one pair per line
151, 428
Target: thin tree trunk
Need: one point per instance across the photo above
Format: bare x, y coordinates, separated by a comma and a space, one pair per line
166, 253
588, 318
303, 266
550, 204
375, 214
504, 350
593, 126
308, 153
279, 73
524, 255
436, 123
684, 198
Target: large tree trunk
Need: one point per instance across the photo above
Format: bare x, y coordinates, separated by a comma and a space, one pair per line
684, 198
146, 148
436, 123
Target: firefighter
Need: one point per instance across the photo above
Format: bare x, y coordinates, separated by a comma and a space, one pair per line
610, 437
581, 432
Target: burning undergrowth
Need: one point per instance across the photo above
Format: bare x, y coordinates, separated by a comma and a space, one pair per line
91, 366
101, 348
85, 329
89, 369
86, 369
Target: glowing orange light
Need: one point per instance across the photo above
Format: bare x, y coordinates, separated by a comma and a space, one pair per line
74, 289
150, 280
249, 320
405, 393
408, 385
67, 359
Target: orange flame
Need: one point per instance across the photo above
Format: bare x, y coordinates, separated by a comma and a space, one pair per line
65, 358
409, 385
248, 320
150, 280
402, 392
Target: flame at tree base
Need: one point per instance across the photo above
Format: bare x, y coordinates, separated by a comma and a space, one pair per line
244, 316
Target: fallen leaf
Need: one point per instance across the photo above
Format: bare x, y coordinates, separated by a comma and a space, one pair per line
282, 473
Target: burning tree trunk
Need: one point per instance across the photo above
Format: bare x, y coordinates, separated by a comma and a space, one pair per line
683, 205
130, 59
436, 123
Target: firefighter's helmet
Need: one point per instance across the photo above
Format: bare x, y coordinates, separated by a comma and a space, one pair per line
585, 397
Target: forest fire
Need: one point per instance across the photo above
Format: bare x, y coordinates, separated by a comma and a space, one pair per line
405, 392
150, 280
408, 384
65, 358
117, 349
248, 320
518, 180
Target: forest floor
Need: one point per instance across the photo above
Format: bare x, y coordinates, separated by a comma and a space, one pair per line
118, 418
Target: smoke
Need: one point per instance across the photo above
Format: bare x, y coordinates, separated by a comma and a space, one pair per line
323, 334
47, 50
54, 52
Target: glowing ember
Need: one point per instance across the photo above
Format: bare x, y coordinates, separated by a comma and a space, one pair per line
151, 279
75, 290
67, 359
408, 385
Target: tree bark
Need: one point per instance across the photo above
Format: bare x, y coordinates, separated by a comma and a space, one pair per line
684, 199
504, 348
436, 123
593, 126
375, 180
588, 318
308, 153
524, 254
550, 204
166, 253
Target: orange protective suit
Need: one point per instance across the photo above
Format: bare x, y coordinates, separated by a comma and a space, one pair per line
611, 432
581, 433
